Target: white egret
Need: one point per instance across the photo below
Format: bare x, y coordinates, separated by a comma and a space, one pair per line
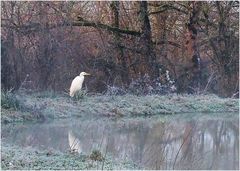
77, 83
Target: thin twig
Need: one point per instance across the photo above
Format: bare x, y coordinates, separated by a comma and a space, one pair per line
237, 93
105, 154
182, 146
209, 81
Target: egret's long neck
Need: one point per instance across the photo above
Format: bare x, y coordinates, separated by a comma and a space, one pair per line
82, 76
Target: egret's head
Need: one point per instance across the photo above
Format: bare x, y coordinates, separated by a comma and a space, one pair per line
84, 73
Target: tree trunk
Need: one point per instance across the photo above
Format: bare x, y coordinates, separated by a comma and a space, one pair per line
120, 54
191, 44
227, 48
149, 60
44, 58
13, 61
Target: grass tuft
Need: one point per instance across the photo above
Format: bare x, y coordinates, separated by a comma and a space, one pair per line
80, 95
9, 100
96, 155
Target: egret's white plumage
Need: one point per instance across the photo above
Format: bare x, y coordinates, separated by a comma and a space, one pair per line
77, 83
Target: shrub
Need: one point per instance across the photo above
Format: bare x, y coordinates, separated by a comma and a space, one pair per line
145, 86
96, 155
114, 90
9, 100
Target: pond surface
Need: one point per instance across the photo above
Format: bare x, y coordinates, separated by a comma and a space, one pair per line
164, 142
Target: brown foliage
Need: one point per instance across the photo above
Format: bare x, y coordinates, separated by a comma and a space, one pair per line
49, 43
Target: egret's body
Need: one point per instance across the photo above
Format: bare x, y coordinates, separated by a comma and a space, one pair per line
77, 83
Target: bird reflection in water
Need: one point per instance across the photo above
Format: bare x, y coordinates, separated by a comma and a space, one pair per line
74, 143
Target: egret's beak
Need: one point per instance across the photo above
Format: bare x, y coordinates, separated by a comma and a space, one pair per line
87, 74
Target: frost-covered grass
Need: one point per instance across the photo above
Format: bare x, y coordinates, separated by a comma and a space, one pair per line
62, 106
48, 106
16, 158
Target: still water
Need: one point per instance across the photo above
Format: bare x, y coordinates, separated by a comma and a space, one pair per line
164, 142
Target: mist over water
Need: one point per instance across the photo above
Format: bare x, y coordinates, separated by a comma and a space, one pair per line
152, 143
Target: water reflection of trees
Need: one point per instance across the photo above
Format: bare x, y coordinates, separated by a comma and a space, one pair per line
211, 144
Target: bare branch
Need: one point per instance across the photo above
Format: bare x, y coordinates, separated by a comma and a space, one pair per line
34, 27
167, 7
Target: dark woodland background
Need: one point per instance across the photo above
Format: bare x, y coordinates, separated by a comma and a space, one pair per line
193, 46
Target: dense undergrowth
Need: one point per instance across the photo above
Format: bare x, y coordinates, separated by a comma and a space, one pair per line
9, 100
45, 106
